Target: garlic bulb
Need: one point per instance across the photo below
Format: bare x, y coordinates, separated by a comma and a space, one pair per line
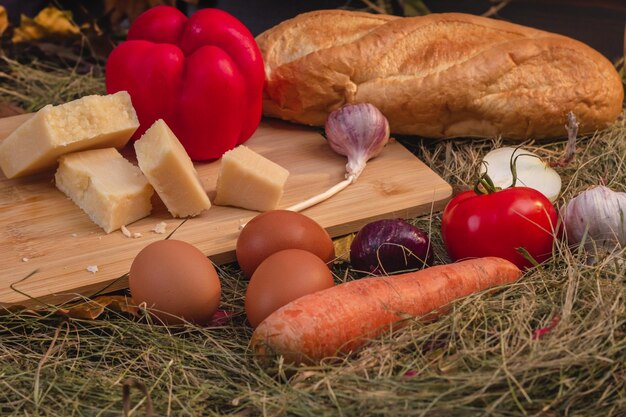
531, 171
600, 214
358, 132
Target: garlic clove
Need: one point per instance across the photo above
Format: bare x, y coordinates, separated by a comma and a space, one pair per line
532, 171
598, 216
359, 132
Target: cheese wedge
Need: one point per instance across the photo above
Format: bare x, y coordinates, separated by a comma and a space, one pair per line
87, 123
112, 191
165, 163
249, 180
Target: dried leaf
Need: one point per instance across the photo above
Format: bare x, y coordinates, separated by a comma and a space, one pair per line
16, 308
4, 20
92, 309
49, 23
342, 247
118, 10
415, 8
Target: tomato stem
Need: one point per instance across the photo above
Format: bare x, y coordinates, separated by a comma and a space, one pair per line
514, 167
485, 185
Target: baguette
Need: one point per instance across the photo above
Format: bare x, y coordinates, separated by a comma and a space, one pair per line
438, 76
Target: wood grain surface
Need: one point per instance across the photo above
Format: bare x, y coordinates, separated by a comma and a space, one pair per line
47, 242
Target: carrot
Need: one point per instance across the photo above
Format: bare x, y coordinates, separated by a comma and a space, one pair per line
340, 319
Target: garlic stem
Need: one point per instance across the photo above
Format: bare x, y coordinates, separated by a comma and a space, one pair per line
323, 196
355, 167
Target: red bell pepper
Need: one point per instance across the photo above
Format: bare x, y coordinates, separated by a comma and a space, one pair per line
204, 76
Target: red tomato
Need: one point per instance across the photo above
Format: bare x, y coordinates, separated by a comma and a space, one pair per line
498, 224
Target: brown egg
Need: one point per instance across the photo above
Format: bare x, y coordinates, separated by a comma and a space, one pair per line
281, 278
175, 278
276, 230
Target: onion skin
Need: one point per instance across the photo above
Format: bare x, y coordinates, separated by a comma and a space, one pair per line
390, 245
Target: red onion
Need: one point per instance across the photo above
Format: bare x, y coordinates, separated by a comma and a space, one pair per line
390, 245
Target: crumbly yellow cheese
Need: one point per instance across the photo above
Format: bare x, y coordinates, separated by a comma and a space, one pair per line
164, 161
87, 123
112, 191
249, 180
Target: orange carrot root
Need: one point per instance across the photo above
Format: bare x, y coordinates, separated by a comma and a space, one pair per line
340, 319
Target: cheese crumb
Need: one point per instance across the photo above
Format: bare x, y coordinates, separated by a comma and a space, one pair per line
25, 259
128, 233
125, 231
74, 235
92, 268
159, 228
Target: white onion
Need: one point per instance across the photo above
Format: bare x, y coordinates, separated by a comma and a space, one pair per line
532, 171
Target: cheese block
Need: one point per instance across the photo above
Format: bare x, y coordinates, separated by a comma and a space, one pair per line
87, 123
165, 163
112, 191
249, 180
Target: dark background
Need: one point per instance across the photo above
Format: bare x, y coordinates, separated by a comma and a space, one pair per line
600, 23
597, 23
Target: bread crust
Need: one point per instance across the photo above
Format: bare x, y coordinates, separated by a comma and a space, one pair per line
439, 76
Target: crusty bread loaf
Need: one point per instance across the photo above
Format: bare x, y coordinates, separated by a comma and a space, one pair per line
440, 75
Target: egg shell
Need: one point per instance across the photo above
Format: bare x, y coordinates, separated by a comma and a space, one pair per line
283, 277
277, 230
175, 278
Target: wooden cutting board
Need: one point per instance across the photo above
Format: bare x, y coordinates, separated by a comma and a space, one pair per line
47, 242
